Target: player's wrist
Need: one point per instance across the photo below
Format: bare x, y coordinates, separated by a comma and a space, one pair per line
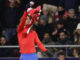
48, 54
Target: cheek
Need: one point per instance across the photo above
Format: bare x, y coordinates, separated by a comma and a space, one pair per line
26, 22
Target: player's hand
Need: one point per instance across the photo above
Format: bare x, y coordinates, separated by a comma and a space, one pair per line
35, 17
48, 54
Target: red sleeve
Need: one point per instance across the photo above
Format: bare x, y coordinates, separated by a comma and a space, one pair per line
38, 42
22, 23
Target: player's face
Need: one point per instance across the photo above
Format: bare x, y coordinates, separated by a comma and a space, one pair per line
27, 20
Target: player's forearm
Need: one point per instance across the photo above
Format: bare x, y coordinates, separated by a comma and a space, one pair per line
41, 46
22, 23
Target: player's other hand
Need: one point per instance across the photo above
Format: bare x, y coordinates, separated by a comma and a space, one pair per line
48, 54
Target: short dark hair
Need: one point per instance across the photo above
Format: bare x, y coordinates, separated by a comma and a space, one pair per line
61, 5
60, 54
60, 22
3, 36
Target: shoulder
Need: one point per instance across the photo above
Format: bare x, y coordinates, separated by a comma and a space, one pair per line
34, 32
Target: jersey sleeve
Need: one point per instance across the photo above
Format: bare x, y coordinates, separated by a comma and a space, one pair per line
22, 23
38, 42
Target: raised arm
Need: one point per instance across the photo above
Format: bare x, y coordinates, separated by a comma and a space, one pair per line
22, 23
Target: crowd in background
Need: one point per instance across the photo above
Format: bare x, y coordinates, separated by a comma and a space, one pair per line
59, 24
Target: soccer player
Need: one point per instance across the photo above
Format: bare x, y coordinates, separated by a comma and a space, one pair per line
28, 38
